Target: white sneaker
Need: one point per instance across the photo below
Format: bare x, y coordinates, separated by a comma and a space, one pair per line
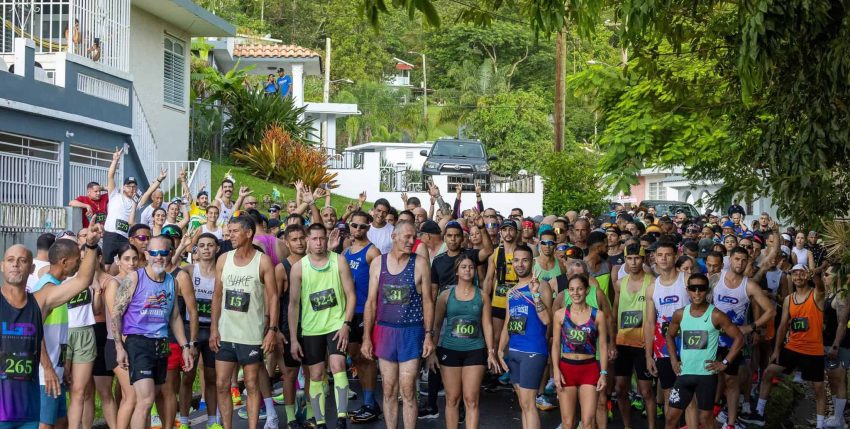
834, 422
272, 423
722, 416
156, 423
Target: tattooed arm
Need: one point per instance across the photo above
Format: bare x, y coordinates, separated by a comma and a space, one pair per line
123, 295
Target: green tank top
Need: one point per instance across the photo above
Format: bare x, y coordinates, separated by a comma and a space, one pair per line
591, 298
630, 313
244, 302
699, 341
322, 298
549, 274
462, 329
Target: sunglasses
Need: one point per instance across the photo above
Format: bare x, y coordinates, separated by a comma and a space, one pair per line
748, 247
273, 210
66, 234
155, 253
356, 225
141, 237
492, 225
698, 288
562, 248
547, 243
238, 213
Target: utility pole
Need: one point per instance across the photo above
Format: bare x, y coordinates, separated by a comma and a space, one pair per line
424, 88
560, 88
326, 92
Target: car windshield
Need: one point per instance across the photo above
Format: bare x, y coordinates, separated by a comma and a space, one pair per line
457, 150
671, 209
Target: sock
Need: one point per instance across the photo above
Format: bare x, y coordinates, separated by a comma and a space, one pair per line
184, 420
369, 398
271, 413
341, 393
308, 413
211, 420
760, 406
317, 400
820, 421
290, 413
839, 406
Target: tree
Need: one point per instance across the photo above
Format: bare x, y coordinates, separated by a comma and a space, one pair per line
572, 182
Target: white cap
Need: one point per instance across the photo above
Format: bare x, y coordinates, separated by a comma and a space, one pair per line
785, 249
786, 237
798, 267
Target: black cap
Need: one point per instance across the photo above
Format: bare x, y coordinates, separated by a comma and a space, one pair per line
430, 227
508, 223
202, 193
129, 180
596, 237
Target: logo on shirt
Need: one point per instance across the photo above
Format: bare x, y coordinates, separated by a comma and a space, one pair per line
727, 299
157, 301
672, 299
18, 329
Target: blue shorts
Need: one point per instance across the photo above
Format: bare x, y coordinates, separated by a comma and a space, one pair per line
18, 425
53, 409
398, 344
526, 368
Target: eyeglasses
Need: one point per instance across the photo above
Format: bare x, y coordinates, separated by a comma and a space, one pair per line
141, 237
547, 243
155, 253
358, 225
698, 288
64, 234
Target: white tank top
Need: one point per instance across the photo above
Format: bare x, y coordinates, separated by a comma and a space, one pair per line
204, 287
668, 299
773, 279
622, 271
80, 311
734, 302
118, 213
226, 212
802, 255
216, 233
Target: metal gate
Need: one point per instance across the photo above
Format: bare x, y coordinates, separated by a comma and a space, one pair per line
30, 172
89, 165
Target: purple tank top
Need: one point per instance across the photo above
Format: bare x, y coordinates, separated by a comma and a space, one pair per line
270, 244
399, 304
150, 308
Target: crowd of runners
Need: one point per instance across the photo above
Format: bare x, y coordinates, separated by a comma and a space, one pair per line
649, 318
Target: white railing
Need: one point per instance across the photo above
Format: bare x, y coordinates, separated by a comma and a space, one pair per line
95, 29
83, 174
198, 176
143, 139
19, 218
30, 171
102, 89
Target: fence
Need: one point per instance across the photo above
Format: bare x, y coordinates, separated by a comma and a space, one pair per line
198, 176
490, 183
207, 133
343, 160
143, 139
30, 172
400, 178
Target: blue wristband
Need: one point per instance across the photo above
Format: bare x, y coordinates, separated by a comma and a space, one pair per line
603, 372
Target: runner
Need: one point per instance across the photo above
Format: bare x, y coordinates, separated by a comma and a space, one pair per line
380, 232
800, 253
836, 344
577, 372
94, 202
399, 308
464, 341
501, 276
630, 307
144, 311
322, 299
23, 316
360, 256
546, 265
202, 275
524, 334
802, 320
156, 203
244, 319
732, 294
103, 375
596, 257
700, 324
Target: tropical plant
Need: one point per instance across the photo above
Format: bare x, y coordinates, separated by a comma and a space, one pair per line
571, 181
250, 112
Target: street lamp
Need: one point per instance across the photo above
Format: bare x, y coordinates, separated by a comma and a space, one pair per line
424, 86
595, 63
348, 81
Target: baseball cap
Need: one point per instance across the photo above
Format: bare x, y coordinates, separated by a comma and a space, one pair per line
171, 231
596, 237
202, 193
430, 227
813, 233
798, 267
508, 223
653, 228
129, 180
785, 250
786, 237
728, 224
705, 246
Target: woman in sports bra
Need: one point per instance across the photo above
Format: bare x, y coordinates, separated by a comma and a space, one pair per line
576, 339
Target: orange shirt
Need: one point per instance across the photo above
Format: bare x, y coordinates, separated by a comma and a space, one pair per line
805, 326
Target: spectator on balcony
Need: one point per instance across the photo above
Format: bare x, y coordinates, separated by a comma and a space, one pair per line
156, 203
94, 202
94, 50
270, 87
284, 82
74, 37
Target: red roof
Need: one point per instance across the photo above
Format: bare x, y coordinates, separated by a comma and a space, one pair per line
403, 66
274, 51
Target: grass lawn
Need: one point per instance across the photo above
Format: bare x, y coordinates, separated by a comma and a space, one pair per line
262, 187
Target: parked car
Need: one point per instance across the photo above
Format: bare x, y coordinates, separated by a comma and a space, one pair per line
669, 208
464, 161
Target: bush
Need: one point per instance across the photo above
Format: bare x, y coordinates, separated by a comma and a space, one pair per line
281, 158
250, 113
571, 182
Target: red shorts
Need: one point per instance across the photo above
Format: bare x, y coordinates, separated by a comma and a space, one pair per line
579, 372
175, 359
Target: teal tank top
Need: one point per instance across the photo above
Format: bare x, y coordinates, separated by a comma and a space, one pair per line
699, 341
462, 328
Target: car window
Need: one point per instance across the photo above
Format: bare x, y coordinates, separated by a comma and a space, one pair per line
454, 149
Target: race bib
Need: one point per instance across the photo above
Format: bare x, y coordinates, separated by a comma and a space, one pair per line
516, 325
204, 307
99, 218
323, 300
800, 324
162, 347
235, 300
502, 290
465, 328
695, 340
19, 366
396, 294
631, 319
122, 225
83, 298
576, 337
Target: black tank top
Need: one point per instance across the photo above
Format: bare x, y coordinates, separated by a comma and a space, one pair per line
20, 347
830, 325
283, 313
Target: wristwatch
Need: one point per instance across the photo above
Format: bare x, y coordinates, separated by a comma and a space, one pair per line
187, 345
274, 329
91, 246
349, 323
430, 332
725, 362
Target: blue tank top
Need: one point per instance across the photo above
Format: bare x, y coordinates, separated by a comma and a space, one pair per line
399, 304
526, 332
360, 271
150, 308
580, 339
20, 347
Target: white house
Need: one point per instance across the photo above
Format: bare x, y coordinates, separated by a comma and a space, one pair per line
401, 74
396, 153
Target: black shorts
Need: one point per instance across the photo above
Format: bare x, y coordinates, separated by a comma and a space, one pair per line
497, 313
288, 360
455, 358
244, 354
148, 358
355, 336
686, 385
100, 369
631, 360
317, 347
112, 241
732, 368
203, 346
666, 375
811, 366
110, 357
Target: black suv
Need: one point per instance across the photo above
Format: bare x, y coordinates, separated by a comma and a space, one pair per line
464, 161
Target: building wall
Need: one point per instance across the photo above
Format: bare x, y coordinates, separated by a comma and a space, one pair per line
170, 125
408, 155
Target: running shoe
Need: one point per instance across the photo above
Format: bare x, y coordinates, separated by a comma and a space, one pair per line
659, 411
182, 426
272, 423
366, 414
834, 422
550, 387
243, 413
426, 412
156, 423
278, 400
236, 396
543, 403
610, 407
202, 405
310, 423
722, 416
505, 378
215, 426
753, 419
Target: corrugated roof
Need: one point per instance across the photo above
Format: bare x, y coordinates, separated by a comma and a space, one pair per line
273, 51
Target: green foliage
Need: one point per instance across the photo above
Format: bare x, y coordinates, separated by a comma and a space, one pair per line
384, 116
572, 182
514, 126
250, 112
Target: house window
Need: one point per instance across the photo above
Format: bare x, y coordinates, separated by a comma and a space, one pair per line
656, 191
173, 72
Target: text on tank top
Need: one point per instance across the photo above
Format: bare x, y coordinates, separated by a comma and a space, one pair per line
699, 339
526, 332
734, 302
462, 329
506, 277
20, 354
55, 330
204, 287
243, 304
149, 311
399, 303
630, 313
579, 338
322, 297
805, 325
118, 213
667, 299
359, 266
